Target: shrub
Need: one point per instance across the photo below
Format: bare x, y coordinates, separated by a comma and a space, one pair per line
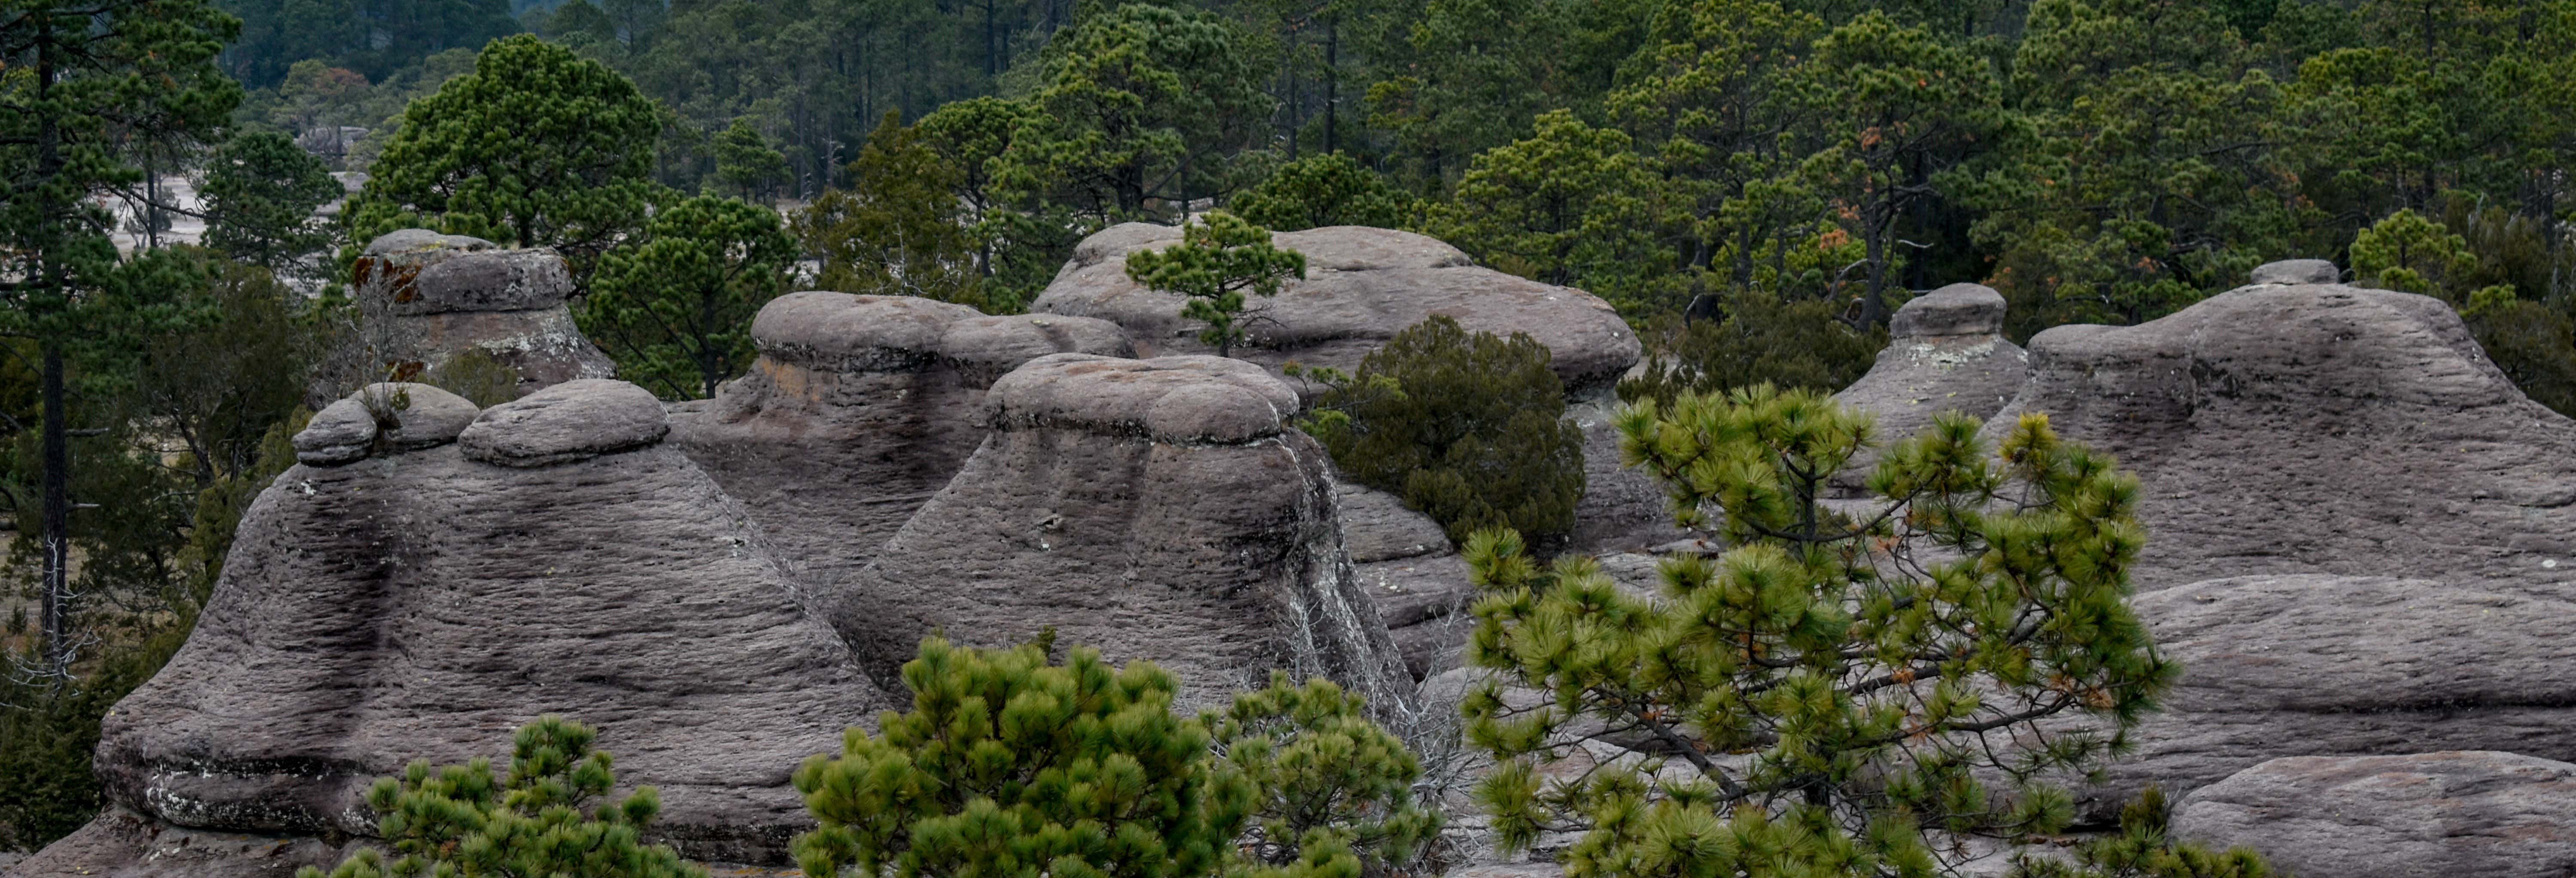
1836, 688
1336, 789
1757, 339
1475, 437
1011, 765
1323, 190
457, 820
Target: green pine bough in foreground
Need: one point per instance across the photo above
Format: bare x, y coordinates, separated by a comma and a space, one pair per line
1840, 694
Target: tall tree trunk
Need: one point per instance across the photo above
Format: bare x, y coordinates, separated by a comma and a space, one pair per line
57, 513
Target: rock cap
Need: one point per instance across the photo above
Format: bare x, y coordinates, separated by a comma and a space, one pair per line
843, 332
1182, 399
572, 421
2297, 271
423, 240
424, 416
1957, 309
416, 272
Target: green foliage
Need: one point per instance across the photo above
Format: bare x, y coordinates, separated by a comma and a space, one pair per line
746, 161
537, 146
1336, 790
2142, 850
676, 309
48, 730
1139, 102
1009, 764
1837, 688
1571, 205
897, 229
260, 191
1323, 190
1220, 258
1755, 340
1474, 435
540, 823
2534, 343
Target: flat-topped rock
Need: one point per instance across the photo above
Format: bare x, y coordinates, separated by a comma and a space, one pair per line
347, 430
2480, 813
1168, 399
1363, 285
1155, 509
858, 410
575, 420
425, 298
2297, 271
2318, 428
1945, 353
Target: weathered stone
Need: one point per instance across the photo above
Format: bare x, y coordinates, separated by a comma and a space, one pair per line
2326, 665
426, 298
341, 432
1376, 526
347, 430
1945, 353
575, 420
2307, 428
860, 408
1623, 509
1154, 509
1362, 286
421, 604
2297, 271
2480, 813
122, 844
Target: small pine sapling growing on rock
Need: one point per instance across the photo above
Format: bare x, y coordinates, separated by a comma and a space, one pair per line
1008, 764
1219, 259
2142, 850
1466, 427
457, 821
1336, 789
1841, 693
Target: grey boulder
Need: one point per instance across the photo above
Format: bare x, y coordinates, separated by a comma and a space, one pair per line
1945, 353
1155, 509
421, 416
858, 410
2482, 813
425, 298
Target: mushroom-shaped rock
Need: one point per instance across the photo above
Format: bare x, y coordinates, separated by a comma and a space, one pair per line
1945, 353
859, 408
426, 298
2297, 428
1362, 286
419, 415
2327, 665
575, 420
2297, 271
2481, 813
1155, 509
420, 604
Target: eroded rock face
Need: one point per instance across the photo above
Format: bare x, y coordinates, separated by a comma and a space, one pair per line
2448, 813
1363, 285
2327, 665
1154, 509
2304, 427
422, 600
1945, 353
1403, 561
429, 297
858, 410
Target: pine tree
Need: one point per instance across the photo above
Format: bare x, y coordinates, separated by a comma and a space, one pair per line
676, 309
1218, 260
896, 230
1466, 427
1336, 789
260, 190
1010, 764
540, 823
1323, 190
1836, 688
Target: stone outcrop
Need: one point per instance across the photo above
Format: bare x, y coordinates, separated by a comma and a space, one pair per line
1945, 353
2327, 665
2301, 427
426, 298
454, 580
858, 410
1403, 561
2450, 813
1362, 286
1154, 509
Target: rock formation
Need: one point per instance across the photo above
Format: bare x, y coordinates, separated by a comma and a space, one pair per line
2328, 665
2451, 813
1945, 353
1403, 561
426, 298
858, 410
1362, 286
428, 579
2300, 426
1155, 509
